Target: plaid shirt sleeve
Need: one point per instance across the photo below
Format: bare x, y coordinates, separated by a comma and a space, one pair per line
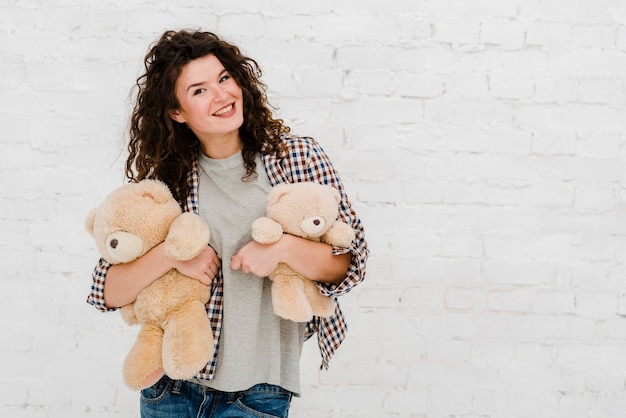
96, 296
307, 161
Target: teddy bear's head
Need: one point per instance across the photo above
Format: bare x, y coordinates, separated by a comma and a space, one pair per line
132, 219
306, 209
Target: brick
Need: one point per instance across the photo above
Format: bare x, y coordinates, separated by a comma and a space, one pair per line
551, 194
551, 34
468, 112
466, 299
598, 145
575, 11
534, 354
492, 353
423, 300
407, 402
594, 198
438, 378
523, 272
448, 351
466, 86
402, 350
387, 298
332, 27
441, 405
392, 110
461, 245
597, 36
597, 305
511, 87
376, 82
600, 91
417, 85
394, 58
481, 8
505, 34
574, 406
554, 143
523, 246
550, 89
456, 31
358, 400
591, 63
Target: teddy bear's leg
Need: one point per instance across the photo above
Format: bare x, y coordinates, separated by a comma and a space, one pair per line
143, 365
322, 305
289, 300
188, 341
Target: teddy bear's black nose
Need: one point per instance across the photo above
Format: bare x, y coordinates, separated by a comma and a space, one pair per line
113, 243
316, 222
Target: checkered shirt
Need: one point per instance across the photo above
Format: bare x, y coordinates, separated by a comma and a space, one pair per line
305, 161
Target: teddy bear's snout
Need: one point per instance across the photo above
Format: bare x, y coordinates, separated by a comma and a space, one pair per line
124, 247
313, 226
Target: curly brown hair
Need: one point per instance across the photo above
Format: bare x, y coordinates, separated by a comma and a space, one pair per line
161, 148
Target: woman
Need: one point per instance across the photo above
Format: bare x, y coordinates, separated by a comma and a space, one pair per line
202, 124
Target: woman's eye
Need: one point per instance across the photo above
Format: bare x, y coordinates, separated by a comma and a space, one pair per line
224, 78
198, 91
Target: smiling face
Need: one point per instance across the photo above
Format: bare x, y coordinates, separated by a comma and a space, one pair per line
211, 104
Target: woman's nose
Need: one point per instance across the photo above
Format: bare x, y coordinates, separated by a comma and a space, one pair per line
219, 93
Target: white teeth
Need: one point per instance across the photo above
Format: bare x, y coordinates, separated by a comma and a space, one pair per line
224, 110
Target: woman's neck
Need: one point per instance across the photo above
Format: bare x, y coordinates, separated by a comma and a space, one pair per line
218, 148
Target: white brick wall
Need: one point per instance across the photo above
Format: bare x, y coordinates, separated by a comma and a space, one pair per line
482, 143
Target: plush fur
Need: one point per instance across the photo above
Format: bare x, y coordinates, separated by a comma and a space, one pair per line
307, 210
175, 337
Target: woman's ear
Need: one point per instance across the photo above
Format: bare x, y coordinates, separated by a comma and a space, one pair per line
175, 115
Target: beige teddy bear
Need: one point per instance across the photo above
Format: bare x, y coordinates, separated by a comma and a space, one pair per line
175, 337
307, 210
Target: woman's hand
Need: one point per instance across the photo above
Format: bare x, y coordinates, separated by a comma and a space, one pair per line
255, 258
314, 260
203, 267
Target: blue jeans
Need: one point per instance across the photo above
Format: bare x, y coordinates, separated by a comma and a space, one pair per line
177, 398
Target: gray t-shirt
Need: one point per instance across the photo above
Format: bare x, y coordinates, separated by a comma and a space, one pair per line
255, 346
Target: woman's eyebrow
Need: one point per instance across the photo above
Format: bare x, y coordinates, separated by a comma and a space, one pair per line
195, 85
198, 84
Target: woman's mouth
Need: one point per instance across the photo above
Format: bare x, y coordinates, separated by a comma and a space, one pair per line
225, 110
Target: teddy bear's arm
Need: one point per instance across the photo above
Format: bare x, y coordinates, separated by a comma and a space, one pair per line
266, 230
340, 234
187, 237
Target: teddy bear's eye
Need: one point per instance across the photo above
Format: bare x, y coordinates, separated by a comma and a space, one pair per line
114, 243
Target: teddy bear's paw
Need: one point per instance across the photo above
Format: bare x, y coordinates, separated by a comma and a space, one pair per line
141, 381
266, 230
301, 314
292, 306
185, 362
341, 235
323, 308
128, 315
322, 305
187, 237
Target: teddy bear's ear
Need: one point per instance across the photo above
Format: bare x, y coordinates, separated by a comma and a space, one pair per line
89, 220
155, 190
277, 193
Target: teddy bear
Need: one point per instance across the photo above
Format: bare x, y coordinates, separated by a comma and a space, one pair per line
308, 210
175, 336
